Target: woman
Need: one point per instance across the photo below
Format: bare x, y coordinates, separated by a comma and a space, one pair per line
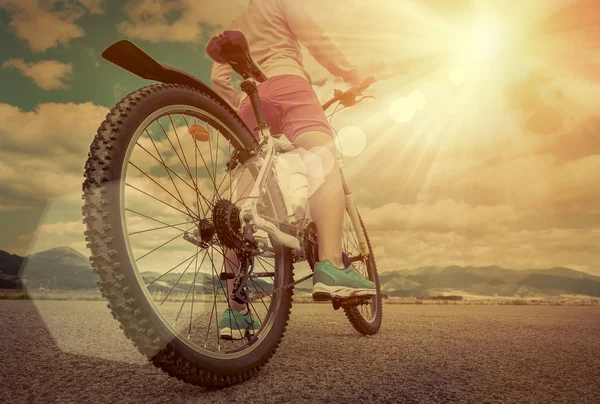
275, 29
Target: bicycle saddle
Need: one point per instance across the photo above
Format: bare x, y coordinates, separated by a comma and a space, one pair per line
232, 47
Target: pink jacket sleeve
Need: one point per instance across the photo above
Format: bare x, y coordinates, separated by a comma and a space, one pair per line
221, 76
320, 46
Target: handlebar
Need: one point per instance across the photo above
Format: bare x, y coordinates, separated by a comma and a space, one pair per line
348, 98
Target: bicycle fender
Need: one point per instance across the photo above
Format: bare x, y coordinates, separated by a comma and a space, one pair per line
129, 57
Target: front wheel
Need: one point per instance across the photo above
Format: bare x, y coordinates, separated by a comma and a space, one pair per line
366, 317
152, 194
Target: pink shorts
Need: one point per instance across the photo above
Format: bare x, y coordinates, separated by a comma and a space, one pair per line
290, 106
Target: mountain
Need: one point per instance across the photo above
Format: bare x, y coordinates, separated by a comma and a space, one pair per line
10, 263
57, 268
203, 283
489, 281
65, 268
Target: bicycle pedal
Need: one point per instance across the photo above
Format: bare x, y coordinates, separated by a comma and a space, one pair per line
350, 301
321, 297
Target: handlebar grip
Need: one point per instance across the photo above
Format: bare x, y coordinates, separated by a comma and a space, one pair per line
370, 80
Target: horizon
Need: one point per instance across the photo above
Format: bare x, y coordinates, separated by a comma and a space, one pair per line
381, 272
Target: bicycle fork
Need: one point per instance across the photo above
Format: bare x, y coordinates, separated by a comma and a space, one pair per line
353, 211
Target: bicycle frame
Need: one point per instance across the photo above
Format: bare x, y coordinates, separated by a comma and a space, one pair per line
265, 158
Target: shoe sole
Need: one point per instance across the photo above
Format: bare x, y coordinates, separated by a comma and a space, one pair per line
228, 334
322, 292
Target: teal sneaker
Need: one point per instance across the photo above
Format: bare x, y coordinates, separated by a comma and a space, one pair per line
330, 282
235, 324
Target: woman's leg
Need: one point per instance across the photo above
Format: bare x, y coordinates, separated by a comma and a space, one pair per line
232, 263
327, 202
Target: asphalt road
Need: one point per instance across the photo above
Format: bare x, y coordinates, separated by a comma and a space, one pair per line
74, 352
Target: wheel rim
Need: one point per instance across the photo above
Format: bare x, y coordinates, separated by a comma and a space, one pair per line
364, 266
164, 193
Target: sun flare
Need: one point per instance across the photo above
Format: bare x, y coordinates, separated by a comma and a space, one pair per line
485, 41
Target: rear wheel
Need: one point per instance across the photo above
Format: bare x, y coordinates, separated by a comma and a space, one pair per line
151, 192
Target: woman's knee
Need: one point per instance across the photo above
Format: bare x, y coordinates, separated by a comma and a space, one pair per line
308, 140
318, 153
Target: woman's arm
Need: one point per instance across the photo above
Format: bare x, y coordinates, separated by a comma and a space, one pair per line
221, 76
320, 46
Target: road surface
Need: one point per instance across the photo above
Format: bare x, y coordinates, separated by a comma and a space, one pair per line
74, 352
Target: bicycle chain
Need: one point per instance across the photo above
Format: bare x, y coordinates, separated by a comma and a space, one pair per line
260, 295
280, 289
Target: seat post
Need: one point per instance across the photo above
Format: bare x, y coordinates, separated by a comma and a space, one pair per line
250, 88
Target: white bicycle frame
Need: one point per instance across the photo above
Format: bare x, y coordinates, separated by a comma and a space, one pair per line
265, 160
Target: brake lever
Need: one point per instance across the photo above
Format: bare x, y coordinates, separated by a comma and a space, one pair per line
364, 98
349, 102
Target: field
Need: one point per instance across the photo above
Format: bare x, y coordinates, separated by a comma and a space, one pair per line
65, 351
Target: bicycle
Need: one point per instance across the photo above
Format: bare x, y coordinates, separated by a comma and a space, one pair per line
140, 172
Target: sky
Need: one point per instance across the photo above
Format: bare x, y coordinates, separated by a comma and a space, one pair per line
482, 146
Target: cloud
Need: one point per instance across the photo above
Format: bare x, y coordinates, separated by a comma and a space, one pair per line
59, 234
440, 217
118, 91
44, 151
46, 74
406, 249
93, 6
45, 24
184, 21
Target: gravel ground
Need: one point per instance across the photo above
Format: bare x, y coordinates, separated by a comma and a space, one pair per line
74, 352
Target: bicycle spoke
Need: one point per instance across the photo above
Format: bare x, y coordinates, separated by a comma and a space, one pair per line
213, 308
203, 161
180, 276
224, 256
187, 166
171, 170
163, 244
224, 293
347, 230
156, 182
255, 312
250, 183
187, 294
229, 147
212, 164
151, 218
156, 199
268, 294
265, 269
167, 171
160, 228
354, 235
196, 270
172, 269
222, 181
268, 263
216, 166
198, 204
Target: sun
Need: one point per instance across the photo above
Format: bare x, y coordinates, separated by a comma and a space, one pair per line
485, 45
485, 41
486, 53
